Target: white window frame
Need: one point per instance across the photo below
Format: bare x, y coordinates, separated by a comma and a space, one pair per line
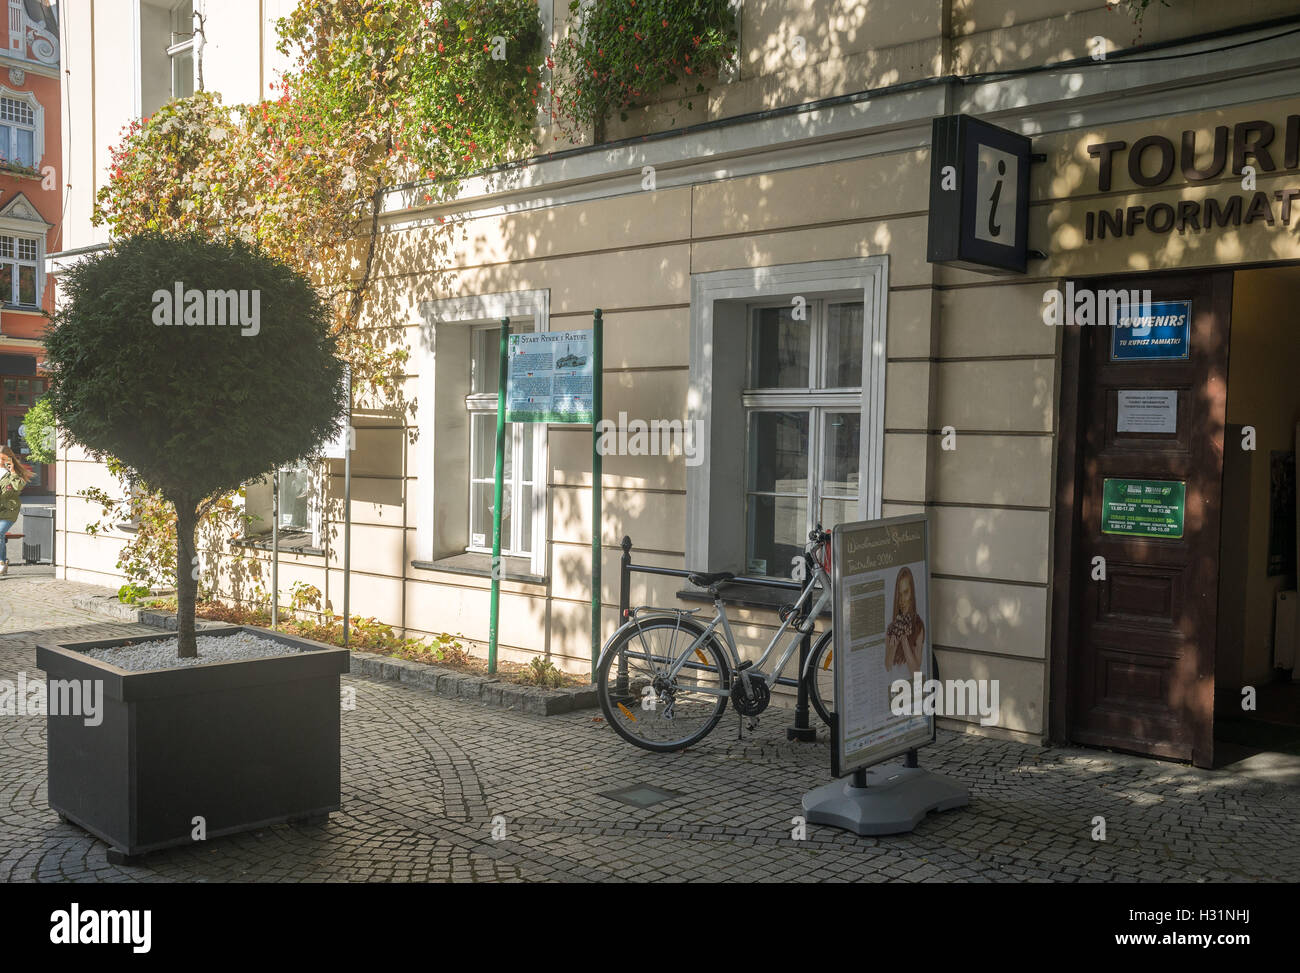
10, 300
485, 404
177, 48
715, 521
817, 400
458, 313
38, 123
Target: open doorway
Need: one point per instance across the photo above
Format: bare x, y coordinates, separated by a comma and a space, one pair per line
1257, 700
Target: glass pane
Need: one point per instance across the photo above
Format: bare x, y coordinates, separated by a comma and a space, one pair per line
6, 246
778, 452
295, 499
6, 136
526, 525
183, 20
26, 153
776, 534
526, 432
779, 349
480, 523
487, 360
183, 74
7, 283
841, 434
838, 512
26, 285
843, 346
485, 444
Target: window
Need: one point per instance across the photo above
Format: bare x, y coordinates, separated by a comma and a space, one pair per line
18, 263
296, 496
803, 409
181, 50
517, 477
456, 358
17, 132
787, 393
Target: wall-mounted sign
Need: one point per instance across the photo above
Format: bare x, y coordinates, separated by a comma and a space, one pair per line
1143, 508
1147, 410
1152, 159
979, 195
880, 577
1159, 331
549, 378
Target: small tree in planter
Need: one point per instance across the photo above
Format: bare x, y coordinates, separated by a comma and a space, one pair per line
199, 364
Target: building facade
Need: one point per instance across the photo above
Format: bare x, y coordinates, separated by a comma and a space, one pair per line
769, 287
31, 195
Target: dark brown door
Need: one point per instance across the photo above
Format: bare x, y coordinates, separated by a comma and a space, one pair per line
1142, 659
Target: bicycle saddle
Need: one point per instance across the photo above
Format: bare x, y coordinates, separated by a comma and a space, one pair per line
705, 580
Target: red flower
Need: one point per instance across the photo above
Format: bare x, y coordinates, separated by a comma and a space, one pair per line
665, 23
440, 47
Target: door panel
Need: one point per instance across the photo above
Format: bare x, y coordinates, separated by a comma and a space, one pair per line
1142, 666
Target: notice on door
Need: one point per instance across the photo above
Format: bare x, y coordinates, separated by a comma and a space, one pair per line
550, 377
880, 577
1143, 508
1147, 410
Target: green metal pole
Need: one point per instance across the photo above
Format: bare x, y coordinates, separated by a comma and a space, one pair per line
496, 494
597, 476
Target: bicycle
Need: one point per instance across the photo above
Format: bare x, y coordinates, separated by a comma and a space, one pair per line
664, 679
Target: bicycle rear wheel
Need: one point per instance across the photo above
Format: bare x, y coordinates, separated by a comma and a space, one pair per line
820, 676
643, 704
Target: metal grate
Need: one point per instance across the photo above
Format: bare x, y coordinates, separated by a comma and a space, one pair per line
640, 795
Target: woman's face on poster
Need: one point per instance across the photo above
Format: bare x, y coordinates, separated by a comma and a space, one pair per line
906, 595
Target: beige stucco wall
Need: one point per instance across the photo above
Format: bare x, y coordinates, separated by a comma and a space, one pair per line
964, 350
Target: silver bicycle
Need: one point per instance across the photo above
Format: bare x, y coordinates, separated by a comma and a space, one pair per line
664, 678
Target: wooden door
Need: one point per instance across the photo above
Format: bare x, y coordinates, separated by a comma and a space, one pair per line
1143, 639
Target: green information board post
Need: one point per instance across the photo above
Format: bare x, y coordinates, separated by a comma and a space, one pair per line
497, 491
597, 478
545, 377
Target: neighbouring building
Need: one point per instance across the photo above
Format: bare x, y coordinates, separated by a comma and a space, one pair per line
31, 194
907, 386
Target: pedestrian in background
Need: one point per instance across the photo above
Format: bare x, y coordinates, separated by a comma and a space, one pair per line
14, 476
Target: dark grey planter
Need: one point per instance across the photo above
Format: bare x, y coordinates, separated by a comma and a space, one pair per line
241, 744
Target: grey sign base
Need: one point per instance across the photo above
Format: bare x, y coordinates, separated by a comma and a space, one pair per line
894, 801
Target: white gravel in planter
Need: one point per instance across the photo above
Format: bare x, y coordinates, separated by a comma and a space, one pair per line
212, 648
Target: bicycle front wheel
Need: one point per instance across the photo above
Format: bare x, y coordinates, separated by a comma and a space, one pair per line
651, 708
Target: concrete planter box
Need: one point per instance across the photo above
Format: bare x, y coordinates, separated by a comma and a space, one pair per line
241, 744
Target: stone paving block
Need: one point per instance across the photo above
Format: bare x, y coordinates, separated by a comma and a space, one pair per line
424, 776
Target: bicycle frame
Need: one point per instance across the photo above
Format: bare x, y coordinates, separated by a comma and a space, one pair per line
818, 576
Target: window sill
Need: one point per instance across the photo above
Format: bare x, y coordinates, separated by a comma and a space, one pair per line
480, 566
23, 308
291, 542
748, 596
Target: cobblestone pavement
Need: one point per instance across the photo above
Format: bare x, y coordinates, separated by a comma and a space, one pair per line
424, 777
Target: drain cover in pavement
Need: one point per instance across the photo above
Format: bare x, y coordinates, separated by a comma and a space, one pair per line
639, 795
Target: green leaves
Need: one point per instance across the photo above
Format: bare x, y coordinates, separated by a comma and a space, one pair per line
623, 53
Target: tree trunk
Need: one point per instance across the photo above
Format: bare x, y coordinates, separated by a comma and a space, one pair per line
187, 582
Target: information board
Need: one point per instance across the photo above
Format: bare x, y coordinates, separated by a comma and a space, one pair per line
881, 585
1143, 508
1157, 331
550, 377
